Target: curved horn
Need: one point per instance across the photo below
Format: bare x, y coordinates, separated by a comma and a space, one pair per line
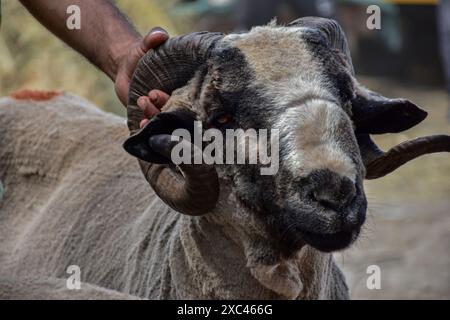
199, 182
399, 114
333, 32
167, 68
379, 163
195, 191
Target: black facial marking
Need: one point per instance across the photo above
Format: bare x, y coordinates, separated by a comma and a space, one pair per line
333, 63
284, 202
236, 94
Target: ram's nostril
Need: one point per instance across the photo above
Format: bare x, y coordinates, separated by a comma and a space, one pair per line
328, 200
333, 191
348, 190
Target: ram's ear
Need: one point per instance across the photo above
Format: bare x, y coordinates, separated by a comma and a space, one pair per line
164, 123
375, 114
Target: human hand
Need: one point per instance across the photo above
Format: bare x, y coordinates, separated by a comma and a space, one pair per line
155, 99
151, 104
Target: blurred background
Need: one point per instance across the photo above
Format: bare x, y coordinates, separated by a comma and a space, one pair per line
408, 230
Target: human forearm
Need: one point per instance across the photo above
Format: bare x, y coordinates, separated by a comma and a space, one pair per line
105, 38
105, 34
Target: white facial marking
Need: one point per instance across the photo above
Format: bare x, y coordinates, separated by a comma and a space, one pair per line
310, 130
310, 121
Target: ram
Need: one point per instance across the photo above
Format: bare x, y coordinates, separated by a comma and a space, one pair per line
74, 197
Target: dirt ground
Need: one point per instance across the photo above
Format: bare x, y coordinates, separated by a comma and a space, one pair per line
407, 233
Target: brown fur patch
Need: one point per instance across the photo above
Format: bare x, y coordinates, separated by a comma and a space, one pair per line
37, 95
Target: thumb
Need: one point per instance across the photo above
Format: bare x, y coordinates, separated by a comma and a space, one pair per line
154, 38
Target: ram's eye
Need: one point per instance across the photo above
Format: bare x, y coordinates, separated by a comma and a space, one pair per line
224, 119
220, 120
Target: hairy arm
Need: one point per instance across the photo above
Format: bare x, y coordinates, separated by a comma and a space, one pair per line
106, 38
105, 32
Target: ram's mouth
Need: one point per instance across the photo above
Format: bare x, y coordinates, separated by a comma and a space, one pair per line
332, 241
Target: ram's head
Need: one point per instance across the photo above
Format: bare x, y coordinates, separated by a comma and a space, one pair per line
298, 79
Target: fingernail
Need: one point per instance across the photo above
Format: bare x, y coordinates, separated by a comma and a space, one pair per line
153, 97
142, 102
143, 123
158, 30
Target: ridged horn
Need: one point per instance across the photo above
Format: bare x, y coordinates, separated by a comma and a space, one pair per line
194, 189
379, 163
333, 32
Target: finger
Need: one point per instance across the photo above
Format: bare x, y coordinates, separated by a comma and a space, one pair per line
158, 98
143, 123
147, 107
154, 38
